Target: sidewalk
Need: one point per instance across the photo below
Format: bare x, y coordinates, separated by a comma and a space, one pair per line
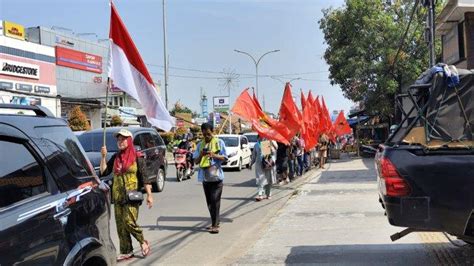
335, 219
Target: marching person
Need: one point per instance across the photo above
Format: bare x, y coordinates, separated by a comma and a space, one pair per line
300, 154
124, 166
282, 163
209, 154
323, 149
264, 169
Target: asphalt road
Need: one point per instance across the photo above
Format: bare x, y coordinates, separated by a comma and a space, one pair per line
175, 226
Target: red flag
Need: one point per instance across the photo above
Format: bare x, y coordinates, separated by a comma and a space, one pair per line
255, 99
326, 118
290, 116
246, 107
303, 101
341, 126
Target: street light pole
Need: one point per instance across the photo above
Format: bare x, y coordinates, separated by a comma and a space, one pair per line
256, 62
165, 54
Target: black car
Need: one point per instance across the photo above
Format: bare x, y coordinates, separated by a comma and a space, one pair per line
53, 209
146, 140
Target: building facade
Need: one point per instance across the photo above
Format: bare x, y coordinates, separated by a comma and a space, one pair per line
27, 70
81, 74
455, 26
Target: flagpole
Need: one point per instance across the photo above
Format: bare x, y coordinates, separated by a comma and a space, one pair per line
109, 81
165, 54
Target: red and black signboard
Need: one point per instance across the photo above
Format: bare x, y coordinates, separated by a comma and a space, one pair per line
78, 60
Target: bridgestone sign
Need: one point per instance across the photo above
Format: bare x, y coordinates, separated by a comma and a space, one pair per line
19, 69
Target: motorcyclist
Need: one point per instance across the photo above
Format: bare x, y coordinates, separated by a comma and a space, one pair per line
185, 144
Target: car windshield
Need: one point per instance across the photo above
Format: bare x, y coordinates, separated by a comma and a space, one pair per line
252, 137
230, 141
92, 142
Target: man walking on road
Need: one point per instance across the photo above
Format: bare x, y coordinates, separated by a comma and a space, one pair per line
209, 154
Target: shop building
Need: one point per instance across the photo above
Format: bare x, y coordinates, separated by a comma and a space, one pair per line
81, 74
27, 70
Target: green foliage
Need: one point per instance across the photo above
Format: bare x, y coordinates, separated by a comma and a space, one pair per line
180, 108
77, 119
195, 130
363, 38
167, 137
116, 121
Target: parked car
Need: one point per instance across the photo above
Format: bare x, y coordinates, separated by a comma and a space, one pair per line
426, 168
146, 140
238, 151
53, 209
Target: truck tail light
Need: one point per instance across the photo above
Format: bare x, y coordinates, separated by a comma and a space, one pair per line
394, 184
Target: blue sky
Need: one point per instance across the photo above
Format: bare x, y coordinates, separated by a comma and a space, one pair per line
202, 35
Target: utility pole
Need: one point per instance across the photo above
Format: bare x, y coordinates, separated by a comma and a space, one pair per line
430, 29
165, 53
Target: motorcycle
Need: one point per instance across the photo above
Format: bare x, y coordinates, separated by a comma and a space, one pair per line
184, 168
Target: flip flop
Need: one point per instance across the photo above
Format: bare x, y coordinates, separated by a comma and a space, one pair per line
210, 227
146, 251
214, 230
123, 257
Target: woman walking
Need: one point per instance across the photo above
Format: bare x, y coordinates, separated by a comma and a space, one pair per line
209, 154
264, 170
125, 170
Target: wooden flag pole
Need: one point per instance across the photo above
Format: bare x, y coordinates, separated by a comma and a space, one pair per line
109, 82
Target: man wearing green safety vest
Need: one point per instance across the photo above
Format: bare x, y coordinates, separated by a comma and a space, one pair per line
209, 155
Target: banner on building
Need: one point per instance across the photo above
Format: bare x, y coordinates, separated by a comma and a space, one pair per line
78, 60
221, 104
13, 30
19, 69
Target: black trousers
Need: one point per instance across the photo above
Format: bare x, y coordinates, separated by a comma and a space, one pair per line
213, 192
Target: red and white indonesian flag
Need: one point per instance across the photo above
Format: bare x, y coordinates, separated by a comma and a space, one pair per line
129, 73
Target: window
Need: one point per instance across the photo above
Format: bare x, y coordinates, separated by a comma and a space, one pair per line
230, 141
21, 177
148, 141
66, 152
120, 101
158, 140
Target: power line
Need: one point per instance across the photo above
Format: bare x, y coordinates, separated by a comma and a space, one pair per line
250, 75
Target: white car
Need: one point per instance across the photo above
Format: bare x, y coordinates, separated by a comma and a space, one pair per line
252, 138
238, 151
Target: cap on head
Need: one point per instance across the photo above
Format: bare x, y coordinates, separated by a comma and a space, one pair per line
123, 132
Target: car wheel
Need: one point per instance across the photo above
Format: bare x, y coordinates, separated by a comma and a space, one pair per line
159, 184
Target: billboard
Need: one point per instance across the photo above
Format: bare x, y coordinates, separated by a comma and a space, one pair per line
78, 60
13, 30
19, 69
221, 103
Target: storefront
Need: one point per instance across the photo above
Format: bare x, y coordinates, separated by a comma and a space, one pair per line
27, 70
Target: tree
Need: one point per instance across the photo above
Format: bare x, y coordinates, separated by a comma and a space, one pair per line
366, 54
116, 121
180, 108
77, 119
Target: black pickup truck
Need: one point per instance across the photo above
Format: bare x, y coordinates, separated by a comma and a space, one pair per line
426, 168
